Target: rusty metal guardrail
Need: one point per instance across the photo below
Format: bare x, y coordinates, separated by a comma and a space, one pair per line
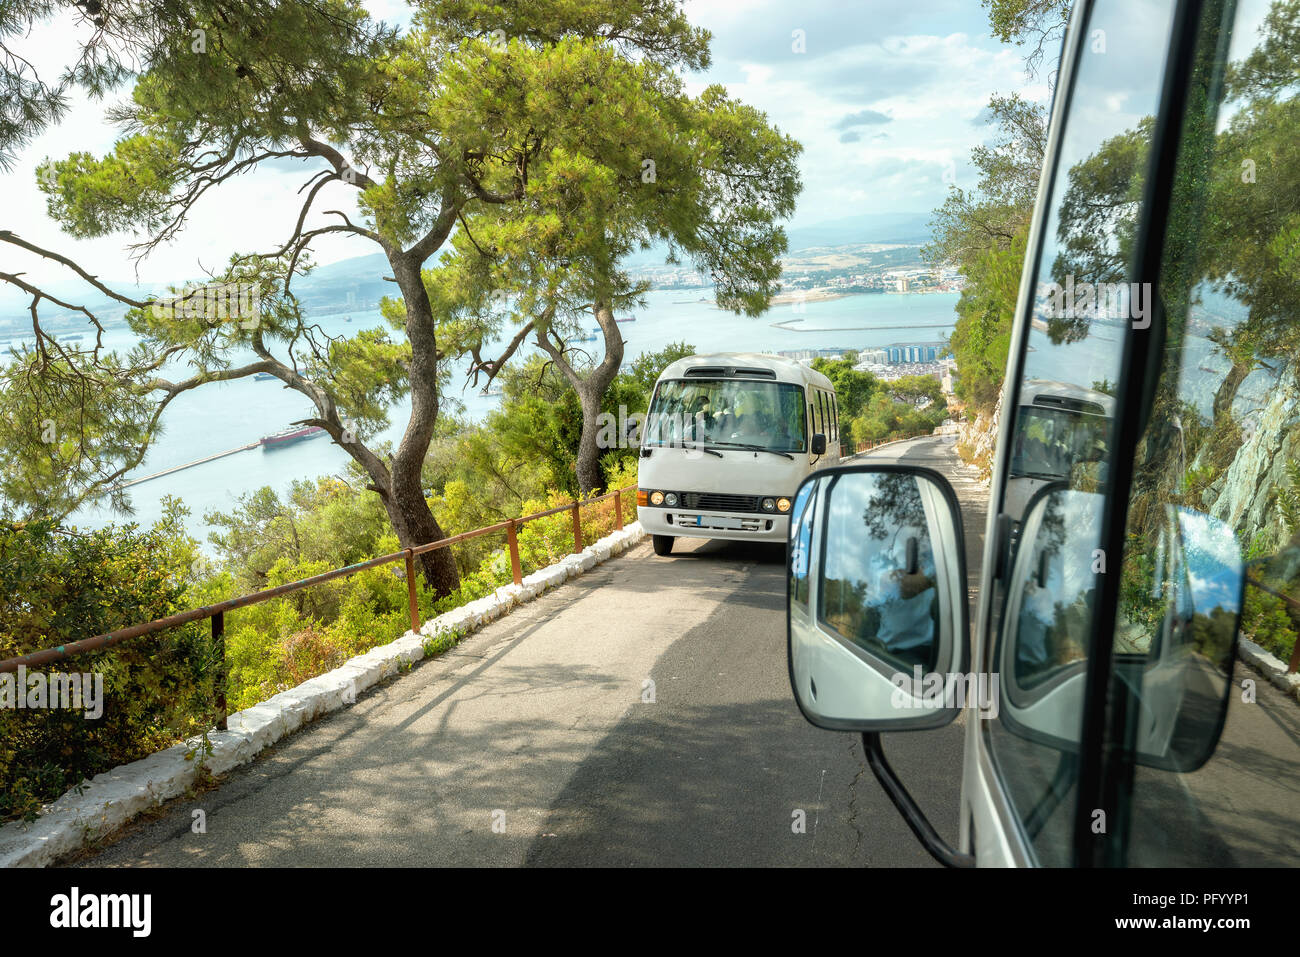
216, 612
868, 446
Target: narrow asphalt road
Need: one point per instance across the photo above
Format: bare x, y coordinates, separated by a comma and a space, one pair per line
639, 715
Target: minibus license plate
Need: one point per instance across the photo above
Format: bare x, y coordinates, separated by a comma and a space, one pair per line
709, 521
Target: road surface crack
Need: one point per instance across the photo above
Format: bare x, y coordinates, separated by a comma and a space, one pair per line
853, 795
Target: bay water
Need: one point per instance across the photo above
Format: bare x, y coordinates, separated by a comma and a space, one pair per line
225, 415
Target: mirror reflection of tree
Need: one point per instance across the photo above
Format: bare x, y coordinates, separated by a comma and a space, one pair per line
1098, 221
894, 507
869, 595
1230, 295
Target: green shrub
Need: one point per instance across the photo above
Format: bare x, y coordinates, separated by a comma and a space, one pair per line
58, 586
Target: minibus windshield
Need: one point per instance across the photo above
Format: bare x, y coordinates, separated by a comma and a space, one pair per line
1050, 442
769, 415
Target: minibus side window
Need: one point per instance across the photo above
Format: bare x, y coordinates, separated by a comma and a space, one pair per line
1221, 449
1043, 617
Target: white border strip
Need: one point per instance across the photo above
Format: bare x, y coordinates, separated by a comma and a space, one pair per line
1270, 666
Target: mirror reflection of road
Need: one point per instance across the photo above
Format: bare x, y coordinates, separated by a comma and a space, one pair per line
541, 716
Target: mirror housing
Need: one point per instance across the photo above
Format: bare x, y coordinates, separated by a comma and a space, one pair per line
877, 626
1173, 647
818, 446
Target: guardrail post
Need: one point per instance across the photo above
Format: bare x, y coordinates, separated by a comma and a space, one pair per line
512, 538
410, 591
577, 529
219, 642
618, 509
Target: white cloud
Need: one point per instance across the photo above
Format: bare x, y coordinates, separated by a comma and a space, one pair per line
929, 79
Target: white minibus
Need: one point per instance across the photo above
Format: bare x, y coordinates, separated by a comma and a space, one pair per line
727, 440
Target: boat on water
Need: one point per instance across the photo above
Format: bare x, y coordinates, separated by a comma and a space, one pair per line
294, 433
262, 376
491, 392
628, 319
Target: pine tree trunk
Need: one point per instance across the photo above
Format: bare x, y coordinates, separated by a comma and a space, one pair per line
406, 505
591, 391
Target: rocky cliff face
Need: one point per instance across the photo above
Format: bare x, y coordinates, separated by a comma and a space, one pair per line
977, 440
1245, 495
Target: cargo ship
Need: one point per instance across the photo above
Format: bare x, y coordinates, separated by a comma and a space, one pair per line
294, 433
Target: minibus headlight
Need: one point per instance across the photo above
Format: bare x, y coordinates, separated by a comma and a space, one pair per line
783, 505
670, 499
769, 504
656, 498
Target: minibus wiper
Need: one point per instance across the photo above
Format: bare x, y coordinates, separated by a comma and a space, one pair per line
755, 448
681, 445
702, 448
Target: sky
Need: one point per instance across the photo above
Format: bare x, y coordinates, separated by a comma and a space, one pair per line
887, 98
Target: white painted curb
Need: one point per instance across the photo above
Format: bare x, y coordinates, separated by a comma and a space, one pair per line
1271, 667
115, 797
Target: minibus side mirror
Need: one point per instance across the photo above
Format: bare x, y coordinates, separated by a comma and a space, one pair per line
878, 632
1173, 647
877, 620
818, 446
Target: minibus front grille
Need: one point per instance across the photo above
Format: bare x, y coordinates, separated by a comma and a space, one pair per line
722, 502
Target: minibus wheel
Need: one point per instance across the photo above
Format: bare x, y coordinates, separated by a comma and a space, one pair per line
663, 544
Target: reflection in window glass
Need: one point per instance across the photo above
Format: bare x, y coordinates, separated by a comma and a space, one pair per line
1081, 306
1058, 589
801, 526
878, 588
1218, 467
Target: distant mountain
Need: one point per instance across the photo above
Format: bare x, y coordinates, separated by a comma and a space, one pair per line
909, 228
350, 283
906, 228
358, 283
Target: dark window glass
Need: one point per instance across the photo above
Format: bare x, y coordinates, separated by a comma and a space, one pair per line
1043, 619
1217, 471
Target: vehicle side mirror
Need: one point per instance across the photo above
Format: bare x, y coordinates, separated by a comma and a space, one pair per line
818, 444
877, 624
1174, 643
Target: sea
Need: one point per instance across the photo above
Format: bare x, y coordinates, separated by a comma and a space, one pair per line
226, 415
